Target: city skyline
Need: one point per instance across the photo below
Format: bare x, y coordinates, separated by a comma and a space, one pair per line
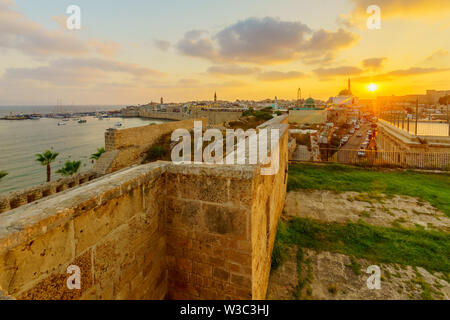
135, 53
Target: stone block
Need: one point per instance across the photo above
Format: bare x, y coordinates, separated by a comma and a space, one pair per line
37, 259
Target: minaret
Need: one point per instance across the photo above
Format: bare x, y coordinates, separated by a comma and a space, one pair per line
215, 97
162, 100
349, 86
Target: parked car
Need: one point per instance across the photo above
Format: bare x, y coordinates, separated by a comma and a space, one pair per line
361, 153
359, 135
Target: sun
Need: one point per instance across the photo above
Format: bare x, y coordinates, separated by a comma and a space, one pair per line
372, 87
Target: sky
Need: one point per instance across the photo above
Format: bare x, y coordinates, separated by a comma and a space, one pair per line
136, 51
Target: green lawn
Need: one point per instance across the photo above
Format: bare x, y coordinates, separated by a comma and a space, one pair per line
427, 249
434, 188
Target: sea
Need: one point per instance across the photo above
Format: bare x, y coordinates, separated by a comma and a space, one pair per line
21, 140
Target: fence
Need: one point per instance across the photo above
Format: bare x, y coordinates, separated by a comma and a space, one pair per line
395, 159
417, 127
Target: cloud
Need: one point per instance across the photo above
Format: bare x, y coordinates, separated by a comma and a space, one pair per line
325, 40
374, 63
439, 57
402, 73
279, 76
403, 7
18, 32
232, 70
105, 48
337, 71
188, 83
193, 44
78, 71
162, 44
61, 21
265, 41
414, 71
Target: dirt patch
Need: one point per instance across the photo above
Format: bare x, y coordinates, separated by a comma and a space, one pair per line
322, 275
335, 277
284, 279
374, 209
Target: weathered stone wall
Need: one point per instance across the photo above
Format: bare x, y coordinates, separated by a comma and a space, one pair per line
111, 229
222, 223
16, 199
209, 225
132, 143
193, 231
267, 205
216, 117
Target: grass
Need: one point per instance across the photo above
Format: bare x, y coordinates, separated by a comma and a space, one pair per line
434, 188
157, 152
355, 266
427, 249
3, 174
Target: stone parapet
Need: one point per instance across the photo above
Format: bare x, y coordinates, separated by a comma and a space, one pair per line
16, 199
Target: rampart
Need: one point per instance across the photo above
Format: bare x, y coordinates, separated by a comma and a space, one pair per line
127, 147
153, 231
16, 199
214, 116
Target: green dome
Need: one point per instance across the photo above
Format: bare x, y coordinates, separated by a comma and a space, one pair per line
310, 102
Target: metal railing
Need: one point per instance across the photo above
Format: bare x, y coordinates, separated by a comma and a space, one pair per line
418, 127
374, 158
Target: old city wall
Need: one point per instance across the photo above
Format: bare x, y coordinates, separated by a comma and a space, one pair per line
127, 147
214, 116
16, 199
209, 232
217, 117
154, 231
110, 228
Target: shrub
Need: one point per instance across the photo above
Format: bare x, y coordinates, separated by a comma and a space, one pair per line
156, 153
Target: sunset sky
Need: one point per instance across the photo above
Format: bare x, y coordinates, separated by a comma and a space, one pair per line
136, 51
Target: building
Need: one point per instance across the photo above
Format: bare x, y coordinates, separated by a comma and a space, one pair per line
430, 98
345, 97
398, 144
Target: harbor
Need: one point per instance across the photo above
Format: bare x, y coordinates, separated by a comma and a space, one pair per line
77, 139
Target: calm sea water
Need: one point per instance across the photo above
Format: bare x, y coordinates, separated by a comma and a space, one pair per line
21, 140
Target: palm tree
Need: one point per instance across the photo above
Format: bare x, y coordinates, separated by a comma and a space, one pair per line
3, 174
97, 155
46, 159
70, 168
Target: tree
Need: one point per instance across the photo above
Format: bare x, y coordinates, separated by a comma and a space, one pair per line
46, 159
3, 174
97, 155
70, 168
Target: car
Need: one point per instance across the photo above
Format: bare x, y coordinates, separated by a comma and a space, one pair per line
361, 153
359, 135
352, 131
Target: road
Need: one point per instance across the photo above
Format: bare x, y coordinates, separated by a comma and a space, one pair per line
354, 143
